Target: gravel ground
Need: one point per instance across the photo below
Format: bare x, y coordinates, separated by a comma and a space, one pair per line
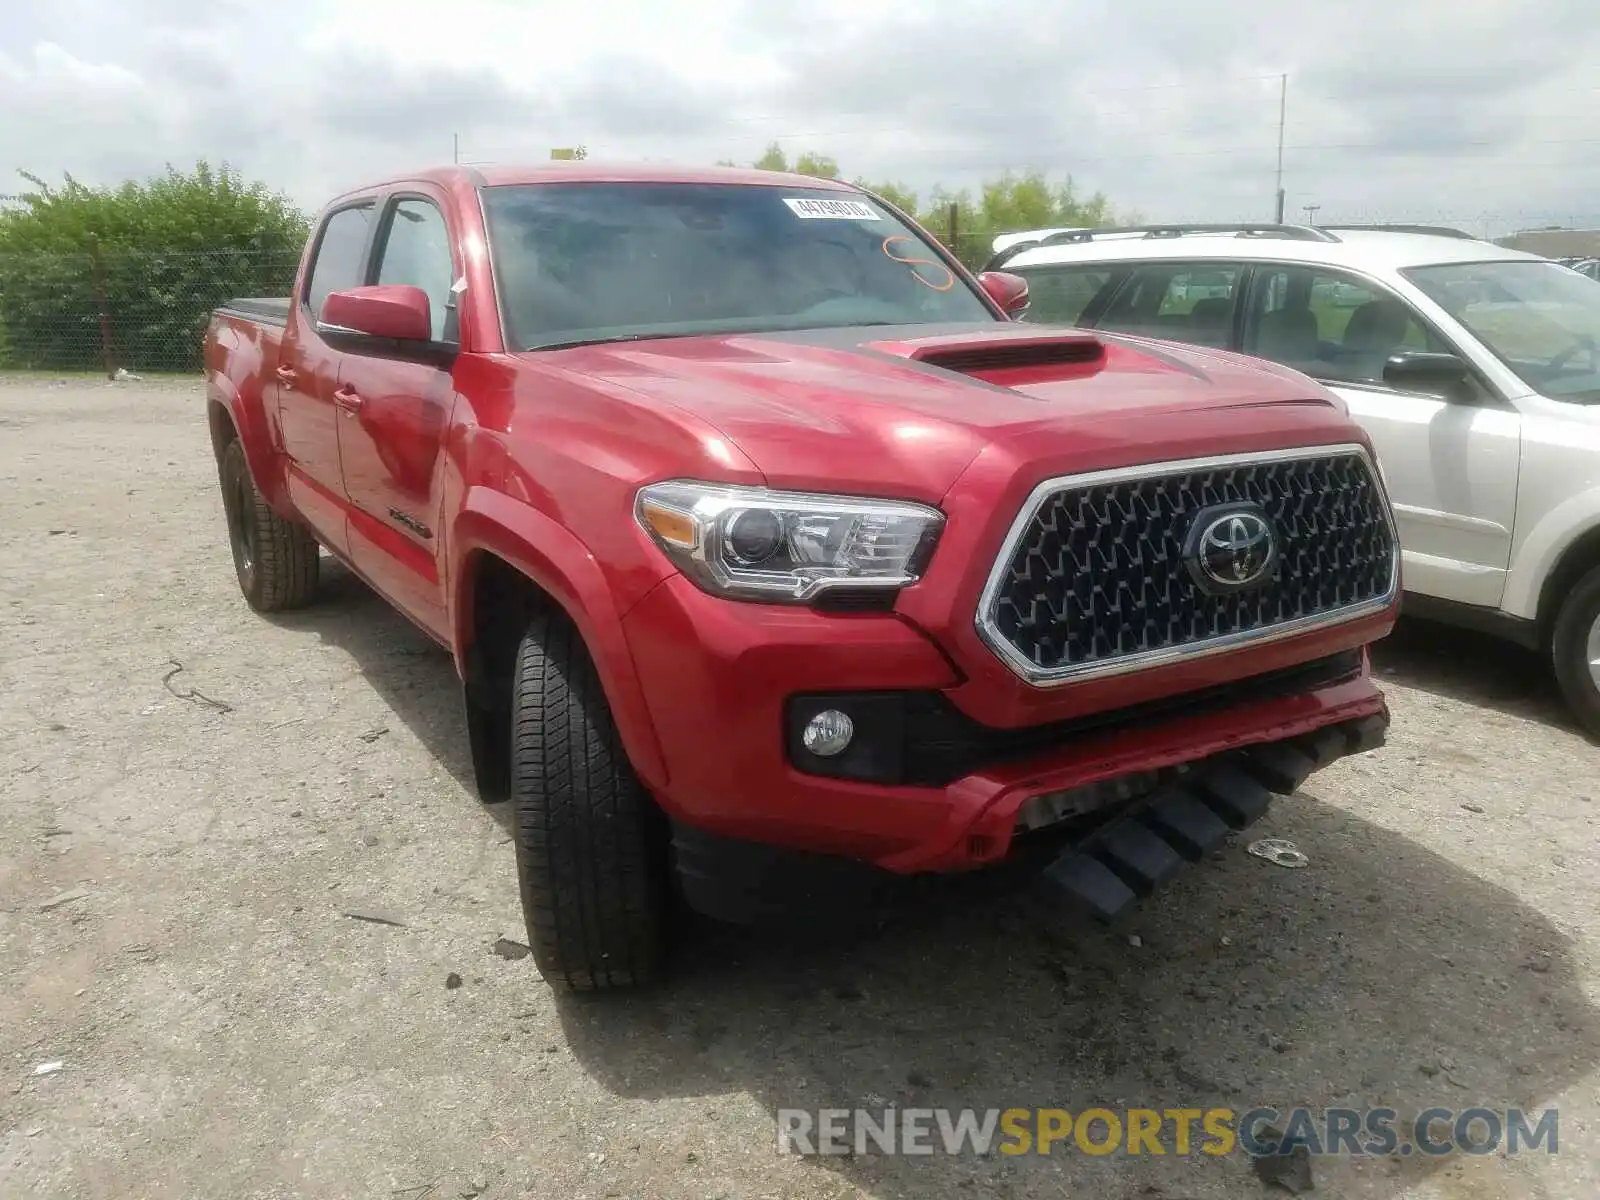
193, 799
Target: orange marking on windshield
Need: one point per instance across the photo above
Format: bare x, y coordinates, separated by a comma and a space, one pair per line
914, 263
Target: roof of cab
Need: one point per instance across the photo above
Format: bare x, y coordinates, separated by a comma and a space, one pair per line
589, 171
1354, 248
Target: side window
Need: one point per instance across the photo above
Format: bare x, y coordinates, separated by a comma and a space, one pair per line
1331, 326
1058, 295
1184, 303
416, 251
338, 263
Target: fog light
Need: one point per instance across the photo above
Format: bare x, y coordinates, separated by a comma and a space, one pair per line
828, 733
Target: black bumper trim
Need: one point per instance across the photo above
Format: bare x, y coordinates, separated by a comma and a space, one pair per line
921, 739
1191, 818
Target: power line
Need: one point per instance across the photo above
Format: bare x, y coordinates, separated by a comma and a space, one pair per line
966, 107
1305, 89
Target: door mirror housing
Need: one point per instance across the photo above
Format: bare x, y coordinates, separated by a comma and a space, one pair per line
393, 311
1416, 371
1009, 291
386, 320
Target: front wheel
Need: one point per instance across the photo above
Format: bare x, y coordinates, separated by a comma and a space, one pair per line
1575, 647
591, 843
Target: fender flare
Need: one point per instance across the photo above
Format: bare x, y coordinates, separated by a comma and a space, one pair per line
254, 434
562, 567
1541, 551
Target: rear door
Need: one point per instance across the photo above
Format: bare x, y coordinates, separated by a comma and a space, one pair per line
308, 374
396, 416
1178, 301
1450, 462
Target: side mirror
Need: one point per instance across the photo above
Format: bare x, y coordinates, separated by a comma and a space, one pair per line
1416, 371
388, 310
1009, 291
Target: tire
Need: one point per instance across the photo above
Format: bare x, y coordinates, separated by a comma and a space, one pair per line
591, 843
1575, 649
276, 560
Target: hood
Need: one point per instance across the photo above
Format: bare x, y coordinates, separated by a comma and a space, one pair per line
904, 410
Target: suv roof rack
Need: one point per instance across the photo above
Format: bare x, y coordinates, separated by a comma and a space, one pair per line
1261, 229
1435, 230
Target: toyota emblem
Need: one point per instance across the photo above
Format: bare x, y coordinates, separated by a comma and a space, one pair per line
1231, 547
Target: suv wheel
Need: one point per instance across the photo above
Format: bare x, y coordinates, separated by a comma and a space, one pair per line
1575, 647
591, 844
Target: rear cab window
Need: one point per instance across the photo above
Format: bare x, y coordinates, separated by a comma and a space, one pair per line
340, 254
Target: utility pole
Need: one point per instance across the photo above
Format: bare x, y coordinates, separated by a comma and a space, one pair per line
455, 153
1283, 109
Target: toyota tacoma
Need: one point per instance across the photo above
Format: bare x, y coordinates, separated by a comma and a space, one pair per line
766, 540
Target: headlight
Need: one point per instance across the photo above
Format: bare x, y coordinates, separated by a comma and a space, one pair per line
757, 544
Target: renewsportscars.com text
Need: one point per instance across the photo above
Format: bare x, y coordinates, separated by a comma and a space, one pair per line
1434, 1131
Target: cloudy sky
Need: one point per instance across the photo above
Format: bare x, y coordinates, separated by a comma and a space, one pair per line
1473, 112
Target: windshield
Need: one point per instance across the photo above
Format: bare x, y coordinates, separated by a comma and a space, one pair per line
1539, 318
582, 262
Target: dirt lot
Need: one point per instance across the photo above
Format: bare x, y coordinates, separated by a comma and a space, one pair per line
176, 874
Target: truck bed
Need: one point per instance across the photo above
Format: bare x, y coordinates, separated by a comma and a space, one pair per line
267, 310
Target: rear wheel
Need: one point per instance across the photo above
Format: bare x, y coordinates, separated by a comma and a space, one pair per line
276, 560
591, 844
1575, 647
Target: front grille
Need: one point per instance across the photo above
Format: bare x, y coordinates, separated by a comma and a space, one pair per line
1096, 579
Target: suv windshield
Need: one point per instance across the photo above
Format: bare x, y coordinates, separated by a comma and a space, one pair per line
589, 262
1540, 319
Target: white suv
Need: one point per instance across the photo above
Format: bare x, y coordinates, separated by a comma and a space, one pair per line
1474, 369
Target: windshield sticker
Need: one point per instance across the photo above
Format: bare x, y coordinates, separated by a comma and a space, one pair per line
837, 210
926, 271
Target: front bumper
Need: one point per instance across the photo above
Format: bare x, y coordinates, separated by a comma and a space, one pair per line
1099, 869
717, 678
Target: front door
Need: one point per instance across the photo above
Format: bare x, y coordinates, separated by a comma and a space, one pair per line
308, 376
1450, 462
395, 417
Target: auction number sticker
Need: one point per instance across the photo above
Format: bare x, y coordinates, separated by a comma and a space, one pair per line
837, 210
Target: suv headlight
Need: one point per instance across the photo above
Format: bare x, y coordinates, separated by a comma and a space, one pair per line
756, 544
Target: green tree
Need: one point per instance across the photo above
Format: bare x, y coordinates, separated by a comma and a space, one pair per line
896, 194
774, 159
1007, 204
818, 166
151, 258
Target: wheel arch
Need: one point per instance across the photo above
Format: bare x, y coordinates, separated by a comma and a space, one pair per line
232, 416
511, 561
1578, 558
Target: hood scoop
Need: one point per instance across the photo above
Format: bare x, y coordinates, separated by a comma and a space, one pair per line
1016, 360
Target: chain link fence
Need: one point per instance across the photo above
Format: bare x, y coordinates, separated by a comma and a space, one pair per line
140, 310
147, 310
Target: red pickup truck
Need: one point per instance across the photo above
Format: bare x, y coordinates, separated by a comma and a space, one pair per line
771, 548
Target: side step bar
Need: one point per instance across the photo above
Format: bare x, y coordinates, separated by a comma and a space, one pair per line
1132, 856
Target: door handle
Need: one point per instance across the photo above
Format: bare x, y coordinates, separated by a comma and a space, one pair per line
348, 399
287, 374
